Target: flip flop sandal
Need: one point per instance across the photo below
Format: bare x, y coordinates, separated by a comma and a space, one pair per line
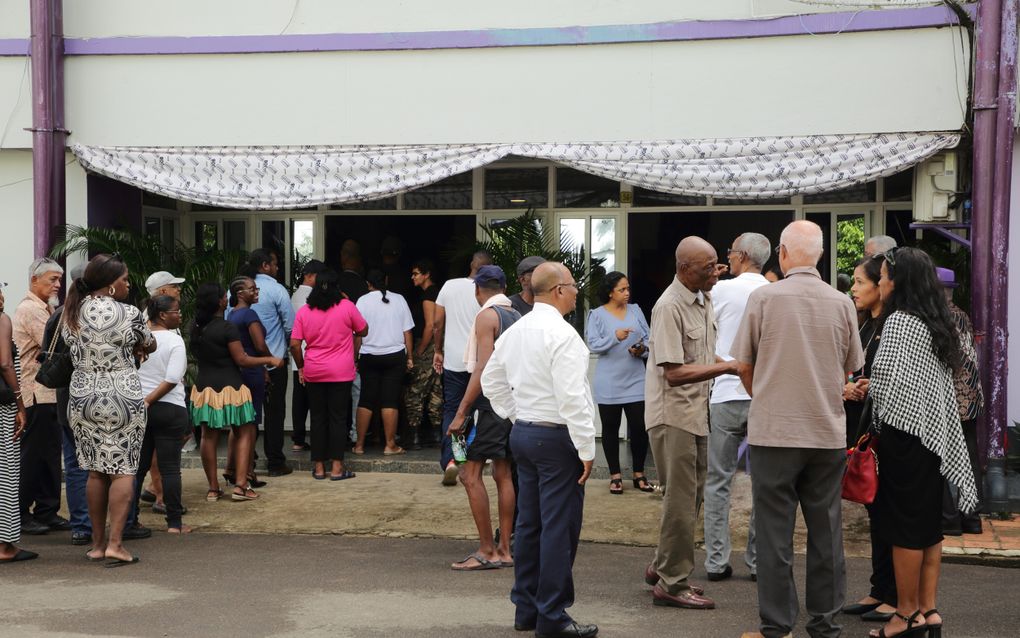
342, 476
94, 559
247, 495
395, 452
120, 562
22, 555
483, 564
506, 564
318, 477
214, 495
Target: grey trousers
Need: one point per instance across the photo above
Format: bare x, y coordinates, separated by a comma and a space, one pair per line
680, 461
729, 427
782, 478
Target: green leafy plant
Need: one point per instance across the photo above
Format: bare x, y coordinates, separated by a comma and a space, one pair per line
509, 241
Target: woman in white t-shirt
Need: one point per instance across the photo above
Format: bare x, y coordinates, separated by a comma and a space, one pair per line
162, 377
384, 355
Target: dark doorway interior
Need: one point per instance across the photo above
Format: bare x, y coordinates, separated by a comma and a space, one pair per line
431, 237
652, 240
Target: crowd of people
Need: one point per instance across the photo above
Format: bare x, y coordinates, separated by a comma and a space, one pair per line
782, 368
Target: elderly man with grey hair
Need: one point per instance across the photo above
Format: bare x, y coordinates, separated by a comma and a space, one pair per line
729, 404
878, 244
796, 344
40, 444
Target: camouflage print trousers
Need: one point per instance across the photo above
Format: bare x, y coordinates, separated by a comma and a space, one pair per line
424, 392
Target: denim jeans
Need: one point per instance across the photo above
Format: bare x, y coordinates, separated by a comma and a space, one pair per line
454, 386
75, 479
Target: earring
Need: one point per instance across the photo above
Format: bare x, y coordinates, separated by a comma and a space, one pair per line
112, 291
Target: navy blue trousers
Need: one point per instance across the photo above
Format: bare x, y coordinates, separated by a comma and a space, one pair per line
550, 504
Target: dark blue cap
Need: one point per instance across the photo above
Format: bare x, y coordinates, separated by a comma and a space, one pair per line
490, 273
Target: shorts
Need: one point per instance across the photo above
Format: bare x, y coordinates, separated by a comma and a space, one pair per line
492, 437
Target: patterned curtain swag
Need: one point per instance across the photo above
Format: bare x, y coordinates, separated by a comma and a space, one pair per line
284, 177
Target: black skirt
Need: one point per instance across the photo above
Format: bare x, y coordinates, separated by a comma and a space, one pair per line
908, 506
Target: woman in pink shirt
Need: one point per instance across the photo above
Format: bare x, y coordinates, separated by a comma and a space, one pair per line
327, 325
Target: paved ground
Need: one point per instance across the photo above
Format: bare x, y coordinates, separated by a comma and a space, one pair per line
286, 585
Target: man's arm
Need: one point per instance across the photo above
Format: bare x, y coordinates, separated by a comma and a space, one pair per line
439, 338
684, 374
746, 373
573, 398
497, 388
486, 325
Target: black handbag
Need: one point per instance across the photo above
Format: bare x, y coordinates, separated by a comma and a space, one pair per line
56, 367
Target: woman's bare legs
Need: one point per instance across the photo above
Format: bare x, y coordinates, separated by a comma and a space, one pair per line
389, 423
122, 490
210, 441
97, 494
364, 417
244, 440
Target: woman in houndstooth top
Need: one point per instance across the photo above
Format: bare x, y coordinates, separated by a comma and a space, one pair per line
920, 442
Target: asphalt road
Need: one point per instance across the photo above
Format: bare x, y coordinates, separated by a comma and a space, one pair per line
345, 586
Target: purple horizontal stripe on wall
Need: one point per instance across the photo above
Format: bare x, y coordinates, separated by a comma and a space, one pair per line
818, 23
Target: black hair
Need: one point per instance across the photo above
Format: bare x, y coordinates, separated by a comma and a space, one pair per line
872, 267
101, 271
158, 304
775, 269
483, 256
326, 293
237, 284
377, 280
424, 266
207, 304
609, 284
917, 291
313, 267
258, 257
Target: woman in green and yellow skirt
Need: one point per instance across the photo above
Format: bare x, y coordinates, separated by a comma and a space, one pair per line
219, 399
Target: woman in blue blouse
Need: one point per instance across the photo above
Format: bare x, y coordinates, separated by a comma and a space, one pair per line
617, 332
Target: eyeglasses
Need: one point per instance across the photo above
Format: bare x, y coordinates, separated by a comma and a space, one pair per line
734, 250
777, 249
172, 312
889, 256
415, 273
571, 285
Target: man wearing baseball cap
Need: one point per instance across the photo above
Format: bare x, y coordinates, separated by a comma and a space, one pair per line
163, 283
524, 301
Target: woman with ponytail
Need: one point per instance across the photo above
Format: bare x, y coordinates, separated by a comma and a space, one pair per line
384, 356
106, 406
219, 399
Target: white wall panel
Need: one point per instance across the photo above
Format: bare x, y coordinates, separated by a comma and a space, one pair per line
848, 83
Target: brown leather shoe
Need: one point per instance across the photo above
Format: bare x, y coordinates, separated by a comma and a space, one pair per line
687, 600
652, 577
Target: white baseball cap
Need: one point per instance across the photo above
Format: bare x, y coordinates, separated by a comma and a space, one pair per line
159, 279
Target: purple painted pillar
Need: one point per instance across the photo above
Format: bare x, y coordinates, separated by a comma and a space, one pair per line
986, 75
47, 122
997, 346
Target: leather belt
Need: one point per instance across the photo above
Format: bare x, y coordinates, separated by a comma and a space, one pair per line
547, 424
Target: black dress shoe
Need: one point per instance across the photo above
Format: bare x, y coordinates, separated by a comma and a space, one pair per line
524, 627
58, 524
723, 575
283, 470
877, 616
573, 630
81, 538
856, 609
34, 527
136, 531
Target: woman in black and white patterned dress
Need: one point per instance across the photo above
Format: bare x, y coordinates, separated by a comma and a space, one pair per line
106, 410
12, 423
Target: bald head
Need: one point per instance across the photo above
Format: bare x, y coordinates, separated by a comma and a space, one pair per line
802, 244
696, 262
692, 249
547, 275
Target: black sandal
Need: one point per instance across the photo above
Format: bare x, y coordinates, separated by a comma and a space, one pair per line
641, 483
909, 631
616, 486
934, 630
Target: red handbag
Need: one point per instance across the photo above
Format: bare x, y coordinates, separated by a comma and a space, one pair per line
860, 481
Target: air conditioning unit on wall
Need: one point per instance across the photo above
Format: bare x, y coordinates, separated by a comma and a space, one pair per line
936, 181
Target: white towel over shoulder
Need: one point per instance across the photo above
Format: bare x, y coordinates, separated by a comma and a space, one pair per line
471, 353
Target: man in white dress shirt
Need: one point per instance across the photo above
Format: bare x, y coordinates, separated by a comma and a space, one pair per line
728, 406
537, 378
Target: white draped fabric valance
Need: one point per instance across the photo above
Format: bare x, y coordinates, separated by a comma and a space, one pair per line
284, 177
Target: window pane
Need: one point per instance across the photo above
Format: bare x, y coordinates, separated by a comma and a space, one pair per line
274, 242
849, 243
723, 201
899, 187
152, 226
897, 226
234, 231
577, 189
603, 242
452, 193
206, 236
824, 220
646, 197
386, 203
302, 237
516, 188
169, 237
572, 234
856, 193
